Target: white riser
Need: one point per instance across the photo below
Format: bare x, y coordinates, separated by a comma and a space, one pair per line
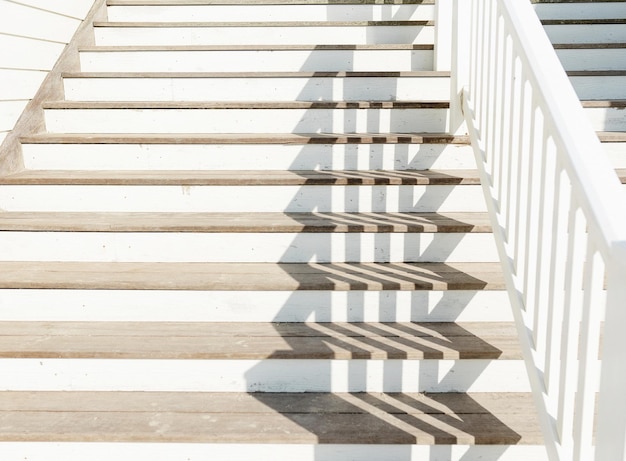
247, 156
243, 198
589, 10
37, 451
258, 89
616, 152
607, 119
246, 247
255, 306
265, 375
245, 120
587, 33
593, 59
256, 61
270, 13
606, 87
266, 35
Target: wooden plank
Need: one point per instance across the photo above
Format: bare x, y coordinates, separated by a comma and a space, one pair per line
237, 178
245, 222
363, 418
251, 276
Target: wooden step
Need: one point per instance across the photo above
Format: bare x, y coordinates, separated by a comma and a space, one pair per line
591, 56
248, 222
237, 117
250, 276
257, 86
605, 9
247, 178
606, 115
269, 11
258, 58
210, 418
252, 341
262, 2
268, 33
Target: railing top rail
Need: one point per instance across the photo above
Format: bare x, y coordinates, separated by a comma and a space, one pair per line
573, 134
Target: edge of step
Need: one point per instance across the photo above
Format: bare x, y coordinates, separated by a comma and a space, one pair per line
148, 25
246, 105
251, 276
265, 2
341, 74
243, 138
381, 47
238, 178
246, 222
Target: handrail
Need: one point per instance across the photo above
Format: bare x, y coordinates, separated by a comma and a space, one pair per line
559, 220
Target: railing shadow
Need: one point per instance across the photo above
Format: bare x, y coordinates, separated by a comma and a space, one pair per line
347, 354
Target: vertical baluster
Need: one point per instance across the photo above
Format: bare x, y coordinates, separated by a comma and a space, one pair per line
571, 329
588, 372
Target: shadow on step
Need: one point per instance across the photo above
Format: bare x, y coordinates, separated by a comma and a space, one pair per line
397, 418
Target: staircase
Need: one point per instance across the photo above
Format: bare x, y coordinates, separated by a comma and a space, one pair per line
590, 40
246, 233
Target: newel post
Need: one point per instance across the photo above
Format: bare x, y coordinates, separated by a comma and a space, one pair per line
611, 432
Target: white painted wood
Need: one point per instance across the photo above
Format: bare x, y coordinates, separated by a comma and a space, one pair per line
607, 119
616, 151
267, 35
242, 198
25, 21
265, 375
245, 247
73, 8
254, 306
601, 87
587, 33
271, 13
307, 60
592, 58
245, 121
581, 10
33, 451
10, 111
247, 156
2, 136
28, 53
19, 84
258, 89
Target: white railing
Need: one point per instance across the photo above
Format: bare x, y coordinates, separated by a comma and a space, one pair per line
559, 218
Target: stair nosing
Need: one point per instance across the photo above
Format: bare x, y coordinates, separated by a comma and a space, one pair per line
266, 2
261, 24
303, 74
190, 48
251, 138
193, 105
254, 222
243, 178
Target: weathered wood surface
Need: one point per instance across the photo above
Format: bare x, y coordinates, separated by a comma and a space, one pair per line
505, 418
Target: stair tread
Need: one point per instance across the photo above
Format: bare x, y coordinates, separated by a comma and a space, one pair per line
604, 103
596, 73
254, 341
265, 2
251, 276
339, 418
245, 138
564, 22
246, 105
253, 47
250, 177
592, 46
245, 222
342, 74
138, 24
612, 136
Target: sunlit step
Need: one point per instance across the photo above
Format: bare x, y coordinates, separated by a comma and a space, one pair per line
278, 33
300, 86
586, 31
284, 58
218, 305
270, 12
606, 115
580, 10
239, 152
199, 117
590, 57
599, 84
233, 246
